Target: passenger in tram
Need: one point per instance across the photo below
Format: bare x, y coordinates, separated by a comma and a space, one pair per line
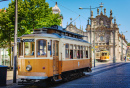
32, 53
38, 53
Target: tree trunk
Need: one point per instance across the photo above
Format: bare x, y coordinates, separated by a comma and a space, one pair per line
10, 53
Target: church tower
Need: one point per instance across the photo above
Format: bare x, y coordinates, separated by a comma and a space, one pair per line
56, 10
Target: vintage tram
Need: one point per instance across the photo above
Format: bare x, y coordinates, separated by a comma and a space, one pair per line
52, 53
102, 55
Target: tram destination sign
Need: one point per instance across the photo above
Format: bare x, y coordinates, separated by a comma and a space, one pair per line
28, 40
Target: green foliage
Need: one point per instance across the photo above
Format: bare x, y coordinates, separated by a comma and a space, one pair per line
32, 14
128, 44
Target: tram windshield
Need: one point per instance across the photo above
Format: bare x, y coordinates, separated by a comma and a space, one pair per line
41, 48
104, 53
29, 48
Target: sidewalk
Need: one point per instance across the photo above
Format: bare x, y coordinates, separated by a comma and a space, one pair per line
99, 67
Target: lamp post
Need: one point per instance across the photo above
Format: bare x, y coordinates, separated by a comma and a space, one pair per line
90, 16
122, 45
101, 5
15, 42
94, 44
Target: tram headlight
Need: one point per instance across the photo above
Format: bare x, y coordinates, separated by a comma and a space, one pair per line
28, 67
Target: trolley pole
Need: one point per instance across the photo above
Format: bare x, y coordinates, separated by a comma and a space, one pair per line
15, 42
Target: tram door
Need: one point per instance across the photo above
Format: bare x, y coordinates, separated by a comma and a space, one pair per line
55, 57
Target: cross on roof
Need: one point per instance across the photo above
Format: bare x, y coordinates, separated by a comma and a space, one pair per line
101, 5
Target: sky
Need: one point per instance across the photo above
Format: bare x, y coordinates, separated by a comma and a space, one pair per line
70, 9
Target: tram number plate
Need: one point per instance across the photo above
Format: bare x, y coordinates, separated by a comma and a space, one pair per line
28, 40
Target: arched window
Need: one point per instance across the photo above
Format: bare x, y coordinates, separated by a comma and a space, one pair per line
41, 48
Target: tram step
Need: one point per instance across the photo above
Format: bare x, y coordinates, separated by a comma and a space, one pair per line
58, 80
55, 74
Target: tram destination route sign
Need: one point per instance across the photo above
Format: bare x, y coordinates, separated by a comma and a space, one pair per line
28, 40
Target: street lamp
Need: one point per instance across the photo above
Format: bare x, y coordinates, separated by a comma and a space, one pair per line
122, 45
94, 43
101, 5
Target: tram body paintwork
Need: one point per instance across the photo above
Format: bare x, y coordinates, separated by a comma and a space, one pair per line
51, 65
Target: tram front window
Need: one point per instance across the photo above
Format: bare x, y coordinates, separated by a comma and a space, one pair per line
41, 51
29, 48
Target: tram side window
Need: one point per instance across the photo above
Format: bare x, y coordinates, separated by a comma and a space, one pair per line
66, 51
20, 49
75, 52
29, 48
42, 48
78, 52
50, 48
86, 52
81, 52
71, 51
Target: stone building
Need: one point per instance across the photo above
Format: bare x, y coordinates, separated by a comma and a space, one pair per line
56, 10
128, 51
104, 28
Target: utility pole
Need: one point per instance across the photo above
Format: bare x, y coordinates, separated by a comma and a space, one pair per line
121, 47
114, 58
15, 42
94, 45
101, 5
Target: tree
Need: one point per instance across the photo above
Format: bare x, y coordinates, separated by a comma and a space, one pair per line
32, 14
128, 44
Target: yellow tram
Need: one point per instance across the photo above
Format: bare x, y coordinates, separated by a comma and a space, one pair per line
102, 55
52, 53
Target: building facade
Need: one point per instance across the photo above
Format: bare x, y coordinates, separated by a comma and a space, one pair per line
56, 10
103, 29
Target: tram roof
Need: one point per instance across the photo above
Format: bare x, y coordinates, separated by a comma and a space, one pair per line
54, 35
59, 28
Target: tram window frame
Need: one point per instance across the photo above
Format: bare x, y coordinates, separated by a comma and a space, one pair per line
20, 49
78, 51
38, 46
66, 34
71, 51
67, 49
84, 52
51, 49
31, 49
75, 51
87, 51
81, 52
